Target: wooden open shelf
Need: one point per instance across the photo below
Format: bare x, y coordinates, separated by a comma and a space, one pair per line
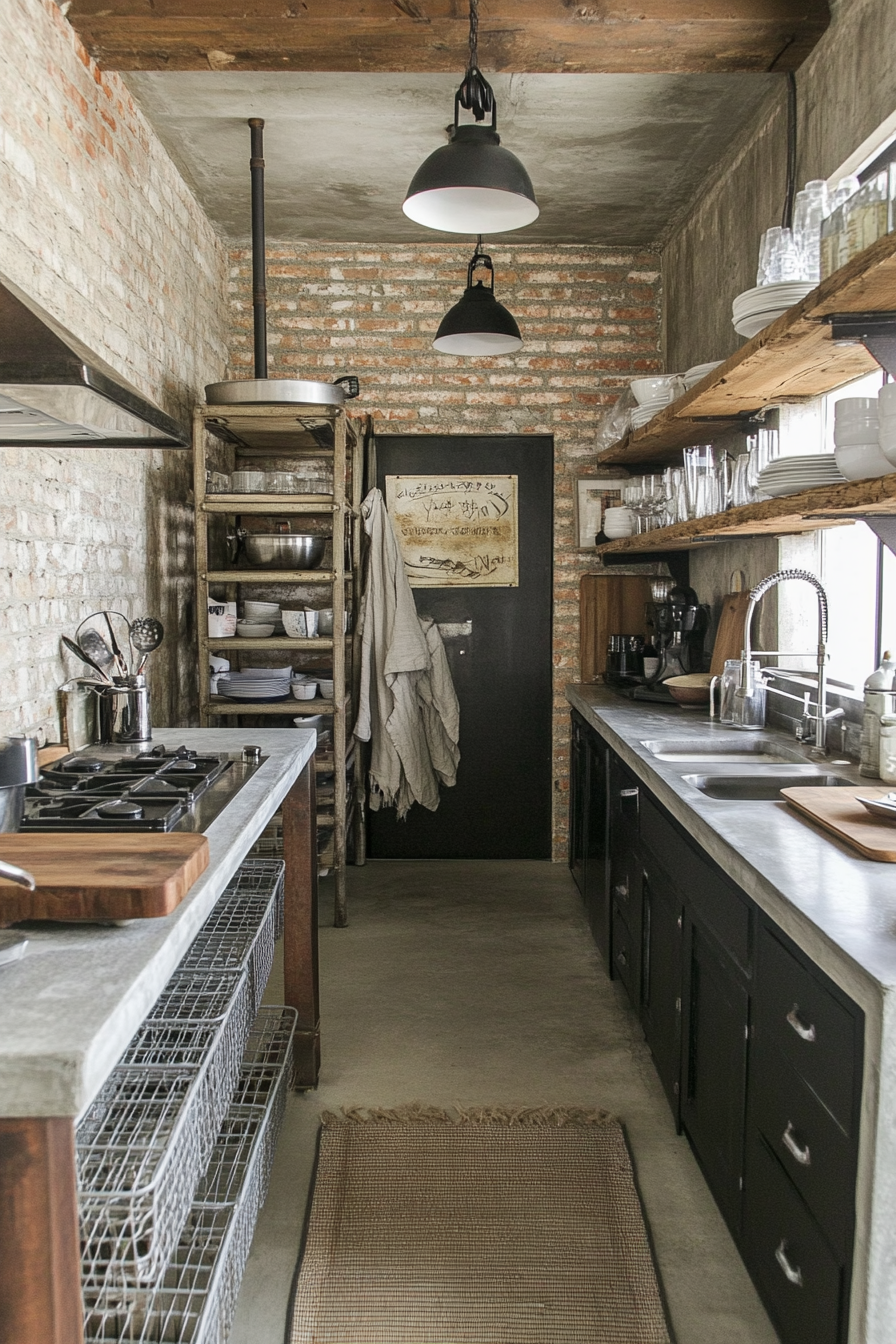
793, 359
290, 430
269, 504
823, 506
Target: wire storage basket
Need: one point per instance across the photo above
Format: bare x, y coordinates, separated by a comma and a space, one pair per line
146, 1138
195, 1297
243, 927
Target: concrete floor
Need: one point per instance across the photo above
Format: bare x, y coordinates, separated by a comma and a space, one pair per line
478, 982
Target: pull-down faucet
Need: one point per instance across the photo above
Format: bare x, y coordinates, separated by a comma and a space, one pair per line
746, 674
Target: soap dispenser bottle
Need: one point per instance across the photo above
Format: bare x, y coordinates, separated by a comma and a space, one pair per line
877, 703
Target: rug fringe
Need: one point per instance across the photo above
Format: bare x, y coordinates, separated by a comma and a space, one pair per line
417, 1112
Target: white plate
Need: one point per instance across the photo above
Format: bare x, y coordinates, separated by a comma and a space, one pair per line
779, 491
701, 370
881, 807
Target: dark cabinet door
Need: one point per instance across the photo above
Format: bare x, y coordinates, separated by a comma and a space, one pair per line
596, 876
715, 1029
660, 999
578, 796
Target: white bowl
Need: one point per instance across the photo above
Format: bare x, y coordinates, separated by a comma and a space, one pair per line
250, 630
858, 461
849, 434
269, 609
326, 689
654, 389
886, 399
618, 513
304, 690
886, 441
855, 408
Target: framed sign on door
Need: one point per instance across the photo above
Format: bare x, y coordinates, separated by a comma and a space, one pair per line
456, 531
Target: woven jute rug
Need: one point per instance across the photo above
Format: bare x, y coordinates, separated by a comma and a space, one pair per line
475, 1227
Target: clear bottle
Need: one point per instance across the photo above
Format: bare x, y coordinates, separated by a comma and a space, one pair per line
877, 704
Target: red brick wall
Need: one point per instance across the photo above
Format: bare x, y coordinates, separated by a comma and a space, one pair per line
590, 319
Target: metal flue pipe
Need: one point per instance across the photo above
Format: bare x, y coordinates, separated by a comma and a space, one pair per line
259, 292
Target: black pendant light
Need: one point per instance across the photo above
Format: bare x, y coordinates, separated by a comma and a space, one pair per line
478, 324
472, 184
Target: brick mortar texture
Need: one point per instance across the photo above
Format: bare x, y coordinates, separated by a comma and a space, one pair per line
590, 317
99, 229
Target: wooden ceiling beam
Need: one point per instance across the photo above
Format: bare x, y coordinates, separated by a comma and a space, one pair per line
521, 36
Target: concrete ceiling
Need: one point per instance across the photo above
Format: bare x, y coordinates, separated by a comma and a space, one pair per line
613, 158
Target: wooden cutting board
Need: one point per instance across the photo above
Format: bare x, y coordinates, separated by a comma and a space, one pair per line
730, 633
837, 811
102, 876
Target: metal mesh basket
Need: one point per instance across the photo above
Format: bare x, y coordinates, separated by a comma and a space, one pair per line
243, 928
147, 1137
195, 1299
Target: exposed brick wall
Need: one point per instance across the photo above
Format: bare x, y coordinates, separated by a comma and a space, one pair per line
590, 319
98, 227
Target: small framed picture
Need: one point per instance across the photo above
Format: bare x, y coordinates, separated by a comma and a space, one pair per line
593, 494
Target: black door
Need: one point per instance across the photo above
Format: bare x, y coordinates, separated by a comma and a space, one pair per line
500, 807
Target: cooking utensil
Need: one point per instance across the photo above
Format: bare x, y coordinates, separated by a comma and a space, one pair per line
261, 389
119, 656
85, 658
279, 550
146, 634
101, 876
92, 643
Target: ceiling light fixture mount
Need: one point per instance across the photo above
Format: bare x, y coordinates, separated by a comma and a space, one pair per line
472, 184
478, 324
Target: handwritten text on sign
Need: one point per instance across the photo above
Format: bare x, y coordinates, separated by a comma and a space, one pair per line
456, 531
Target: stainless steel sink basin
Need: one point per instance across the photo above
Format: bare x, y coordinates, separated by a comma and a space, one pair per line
755, 787
740, 750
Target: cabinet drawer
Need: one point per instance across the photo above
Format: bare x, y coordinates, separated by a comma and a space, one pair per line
626, 792
624, 954
809, 1144
814, 1030
715, 900
801, 1281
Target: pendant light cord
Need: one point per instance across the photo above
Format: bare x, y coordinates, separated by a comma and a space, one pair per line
475, 93
790, 189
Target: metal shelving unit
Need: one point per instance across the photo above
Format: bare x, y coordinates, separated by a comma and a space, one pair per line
293, 433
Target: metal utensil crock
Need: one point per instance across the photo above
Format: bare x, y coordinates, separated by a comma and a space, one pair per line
124, 710
18, 767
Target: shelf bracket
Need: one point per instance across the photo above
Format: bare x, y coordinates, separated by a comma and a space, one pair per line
876, 331
884, 526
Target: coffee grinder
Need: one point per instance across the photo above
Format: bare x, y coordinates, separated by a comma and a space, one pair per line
677, 625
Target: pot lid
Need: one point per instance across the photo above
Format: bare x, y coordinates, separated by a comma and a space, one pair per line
276, 391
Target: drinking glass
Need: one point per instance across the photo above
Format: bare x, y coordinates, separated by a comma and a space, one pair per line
700, 481
767, 245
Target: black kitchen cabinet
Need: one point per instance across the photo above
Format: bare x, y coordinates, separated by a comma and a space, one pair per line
578, 796
714, 1066
588, 830
660, 993
759, 1053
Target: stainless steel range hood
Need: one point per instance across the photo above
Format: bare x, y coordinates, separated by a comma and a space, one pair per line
54, 393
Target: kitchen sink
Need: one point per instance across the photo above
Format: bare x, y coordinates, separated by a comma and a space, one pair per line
756, 787
742, 751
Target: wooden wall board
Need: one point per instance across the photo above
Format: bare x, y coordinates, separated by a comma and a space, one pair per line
609, 604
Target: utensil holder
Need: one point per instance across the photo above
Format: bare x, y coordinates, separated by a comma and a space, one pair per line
124, 711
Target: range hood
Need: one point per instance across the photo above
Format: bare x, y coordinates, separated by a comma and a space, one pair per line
54, 393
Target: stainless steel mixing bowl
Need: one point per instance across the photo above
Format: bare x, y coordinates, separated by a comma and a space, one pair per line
280, 550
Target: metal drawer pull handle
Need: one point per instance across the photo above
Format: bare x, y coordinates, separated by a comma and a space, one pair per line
621, 892
805, 1033
622, 959
628, 793
799, 1154
792, 1275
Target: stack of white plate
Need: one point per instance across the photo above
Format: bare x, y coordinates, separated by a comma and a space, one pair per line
256, 683
756, 308
648, 411
790, 475
886, 409
618, 522
698, 372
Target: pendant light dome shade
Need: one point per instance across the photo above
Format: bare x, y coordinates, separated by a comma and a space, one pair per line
478, 324
472, 185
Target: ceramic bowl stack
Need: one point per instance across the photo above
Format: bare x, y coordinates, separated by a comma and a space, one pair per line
256, 683
856, 447
886, 416
791, 475
619, 522
652, 395
691, 377
756, 308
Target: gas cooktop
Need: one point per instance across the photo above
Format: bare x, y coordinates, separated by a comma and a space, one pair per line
154, 790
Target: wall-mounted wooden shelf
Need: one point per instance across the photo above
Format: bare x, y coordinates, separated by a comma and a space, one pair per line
824, 506
793, 359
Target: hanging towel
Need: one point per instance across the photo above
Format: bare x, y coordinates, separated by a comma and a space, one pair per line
408, 709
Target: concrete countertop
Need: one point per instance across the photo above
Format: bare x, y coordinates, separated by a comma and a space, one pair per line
837, 905
70, 1006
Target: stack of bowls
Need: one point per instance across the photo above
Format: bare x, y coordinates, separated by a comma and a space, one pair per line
619, 522
856, 446
886, 417
652, 395
261, 613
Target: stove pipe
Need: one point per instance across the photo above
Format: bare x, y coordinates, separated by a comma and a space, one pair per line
259, 293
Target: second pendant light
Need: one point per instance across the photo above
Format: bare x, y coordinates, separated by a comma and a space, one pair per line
478, 324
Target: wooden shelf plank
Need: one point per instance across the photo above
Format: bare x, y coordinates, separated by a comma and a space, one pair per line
295, 708
793, 359
265, 504
238, 645
268, 576
823, 506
